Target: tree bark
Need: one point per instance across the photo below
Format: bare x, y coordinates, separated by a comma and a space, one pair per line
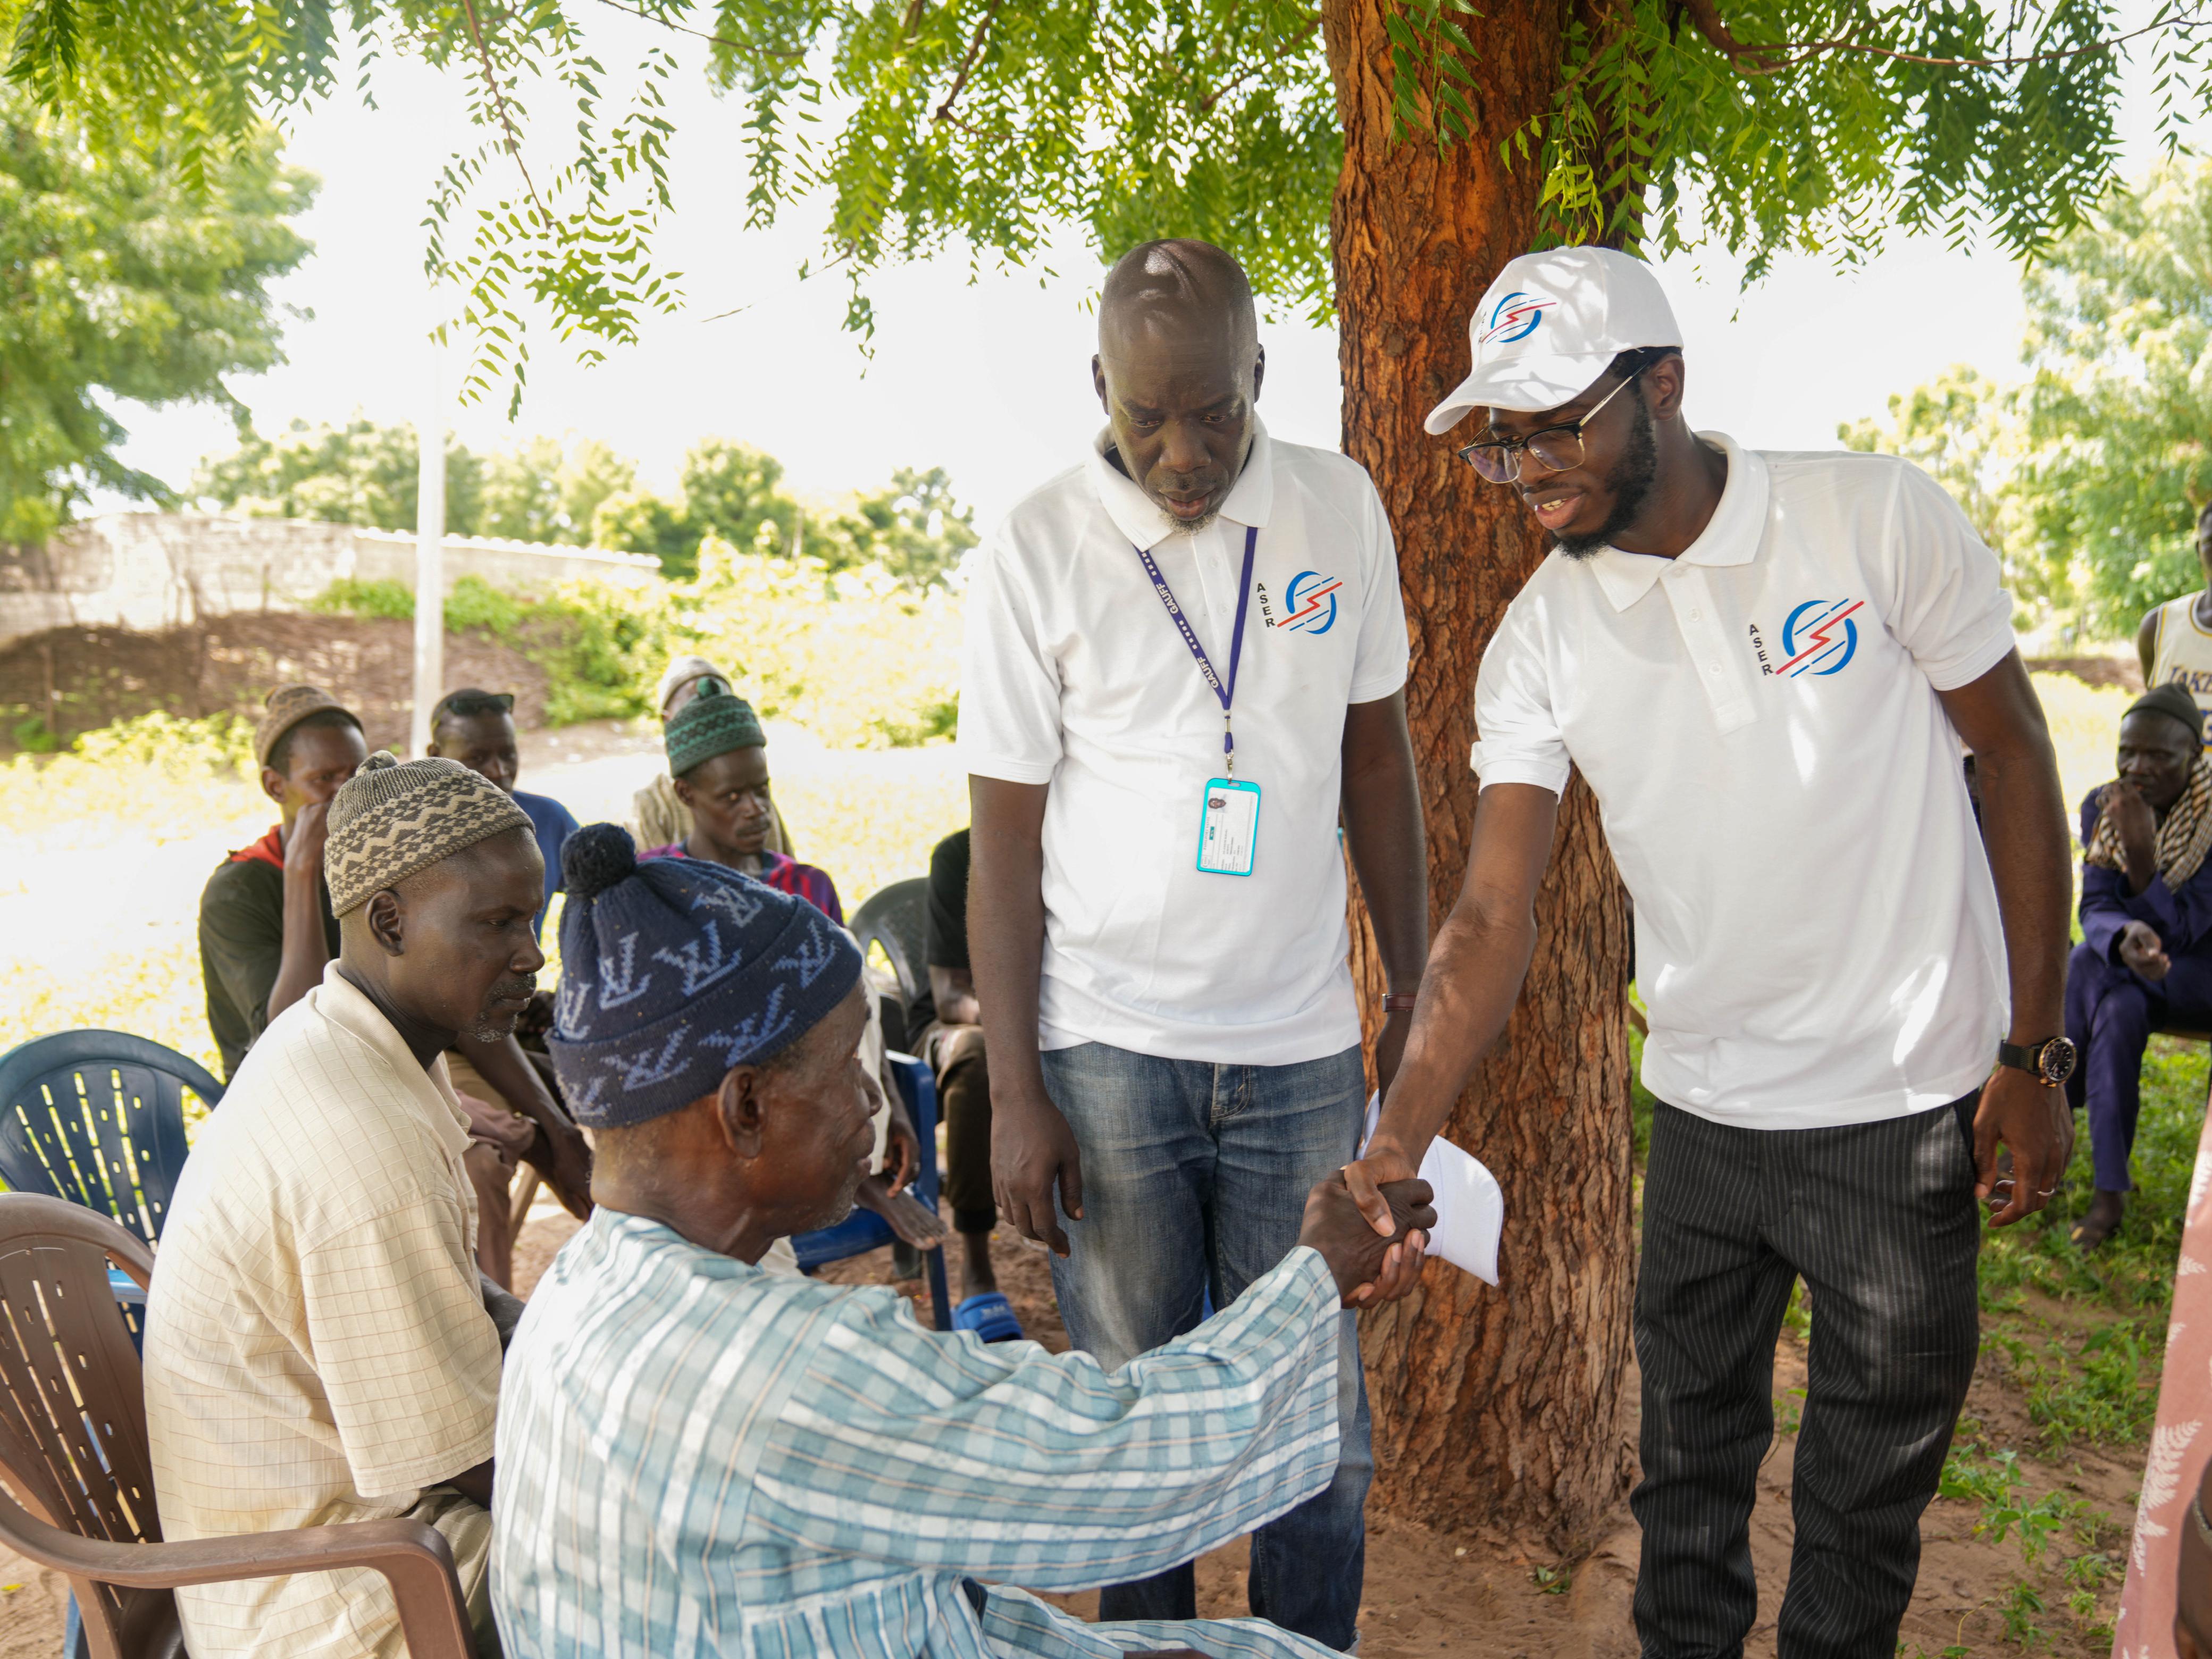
1497, 1408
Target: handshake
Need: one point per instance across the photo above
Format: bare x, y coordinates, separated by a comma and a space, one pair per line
1369, 1268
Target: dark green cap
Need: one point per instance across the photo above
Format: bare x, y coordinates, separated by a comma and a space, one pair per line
713, 723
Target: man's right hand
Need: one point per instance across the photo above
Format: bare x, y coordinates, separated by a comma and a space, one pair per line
2137, 827
1369, 1268
2142, 950
303, 848
1032, 1151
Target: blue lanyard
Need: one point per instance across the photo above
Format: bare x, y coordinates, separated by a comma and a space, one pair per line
1226, 693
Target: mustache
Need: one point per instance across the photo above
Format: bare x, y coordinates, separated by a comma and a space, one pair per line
516, 986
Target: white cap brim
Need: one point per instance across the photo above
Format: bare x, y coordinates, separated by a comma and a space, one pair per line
1519, 383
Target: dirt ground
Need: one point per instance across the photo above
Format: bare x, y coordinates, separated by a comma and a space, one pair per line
77, 680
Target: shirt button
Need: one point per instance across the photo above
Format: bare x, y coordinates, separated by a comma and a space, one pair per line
1696, 615
1712, 668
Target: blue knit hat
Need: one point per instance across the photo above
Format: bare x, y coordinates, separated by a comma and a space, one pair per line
675, 970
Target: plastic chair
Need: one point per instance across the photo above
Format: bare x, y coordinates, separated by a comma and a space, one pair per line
863, 1229
73, 1454
98, 1118
896, 917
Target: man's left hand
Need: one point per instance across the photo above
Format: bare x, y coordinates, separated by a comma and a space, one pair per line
2034, 1122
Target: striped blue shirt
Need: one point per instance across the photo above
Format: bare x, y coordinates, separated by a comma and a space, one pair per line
698, 1458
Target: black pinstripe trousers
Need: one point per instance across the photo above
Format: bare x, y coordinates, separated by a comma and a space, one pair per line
1880, 1219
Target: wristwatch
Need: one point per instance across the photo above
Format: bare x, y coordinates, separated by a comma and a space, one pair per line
2051, 1061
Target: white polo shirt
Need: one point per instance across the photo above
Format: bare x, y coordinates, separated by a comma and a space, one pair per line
1074, 674
1817, 938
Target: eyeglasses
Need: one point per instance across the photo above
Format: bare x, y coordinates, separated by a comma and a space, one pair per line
1555, 447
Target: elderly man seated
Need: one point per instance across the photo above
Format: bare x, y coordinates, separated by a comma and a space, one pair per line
2145, 959
696, 1457
319, 1346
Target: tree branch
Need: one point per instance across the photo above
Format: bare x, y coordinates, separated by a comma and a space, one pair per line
639, 12
506, 121
1205, 104
968, 62
1770, 58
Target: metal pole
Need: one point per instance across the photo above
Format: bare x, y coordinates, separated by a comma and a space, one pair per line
429, 561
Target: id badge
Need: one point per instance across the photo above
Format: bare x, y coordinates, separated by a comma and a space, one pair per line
1229, 827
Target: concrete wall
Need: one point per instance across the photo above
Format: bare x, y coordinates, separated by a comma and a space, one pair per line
152, 570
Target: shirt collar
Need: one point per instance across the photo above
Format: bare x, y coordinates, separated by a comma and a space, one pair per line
1731, 536
1143, 524
342, 1002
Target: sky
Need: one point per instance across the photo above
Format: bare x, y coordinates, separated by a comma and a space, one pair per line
989, 378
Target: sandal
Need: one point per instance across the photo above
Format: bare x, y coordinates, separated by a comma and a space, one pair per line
990, 1315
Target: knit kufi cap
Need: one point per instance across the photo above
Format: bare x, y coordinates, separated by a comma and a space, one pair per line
710, 724
284, 708
675, 970
2171, 700
395, 817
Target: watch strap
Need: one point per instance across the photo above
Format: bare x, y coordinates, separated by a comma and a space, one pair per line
1399, 1002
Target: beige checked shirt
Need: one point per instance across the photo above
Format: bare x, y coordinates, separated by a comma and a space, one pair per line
317, 1348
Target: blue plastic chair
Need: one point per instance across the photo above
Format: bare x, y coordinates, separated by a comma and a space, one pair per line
863, 1229
98, 1118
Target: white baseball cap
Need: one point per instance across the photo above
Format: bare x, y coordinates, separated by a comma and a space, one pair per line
1550, 325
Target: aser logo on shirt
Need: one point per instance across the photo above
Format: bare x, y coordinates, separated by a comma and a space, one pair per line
1309, 604
1819, 637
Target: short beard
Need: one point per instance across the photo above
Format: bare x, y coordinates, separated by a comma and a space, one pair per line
1630, 481
1191, 526
497, 1028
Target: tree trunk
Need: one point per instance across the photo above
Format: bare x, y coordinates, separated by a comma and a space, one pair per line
1493, 1407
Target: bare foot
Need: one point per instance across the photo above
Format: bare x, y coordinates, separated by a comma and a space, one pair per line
2101, 1222
914, 1222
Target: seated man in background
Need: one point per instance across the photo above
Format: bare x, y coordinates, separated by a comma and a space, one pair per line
697, 1456
320, 1347
948, 1026
718, 756
266, 929
477, 728
512, 1110
657, 817
2145, 959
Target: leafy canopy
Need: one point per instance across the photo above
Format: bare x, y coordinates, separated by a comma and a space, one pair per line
922, 124
2087, 476
122, 282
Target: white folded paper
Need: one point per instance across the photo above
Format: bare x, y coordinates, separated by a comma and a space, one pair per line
1470, 1210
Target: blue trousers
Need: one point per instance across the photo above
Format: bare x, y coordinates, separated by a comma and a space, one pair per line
2111, 1012
1194, 1181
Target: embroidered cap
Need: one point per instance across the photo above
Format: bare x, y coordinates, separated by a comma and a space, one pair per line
675, 970
394, 818
713, 723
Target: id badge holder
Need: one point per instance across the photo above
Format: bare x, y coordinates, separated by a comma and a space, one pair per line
1229, 827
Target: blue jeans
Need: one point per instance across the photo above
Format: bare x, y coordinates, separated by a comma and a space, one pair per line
1194, 1181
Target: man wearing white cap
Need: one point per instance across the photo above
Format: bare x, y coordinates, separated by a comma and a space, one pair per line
1763, 664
